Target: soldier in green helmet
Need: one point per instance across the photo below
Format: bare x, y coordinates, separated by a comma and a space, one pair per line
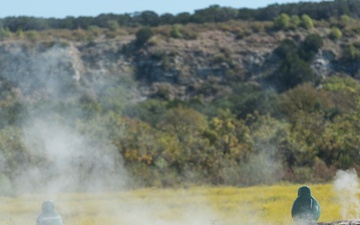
49, 215
306, 209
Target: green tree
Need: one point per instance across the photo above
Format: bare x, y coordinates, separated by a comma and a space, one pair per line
287, 48
248, 98
310, 46
294, 68
148, 18
143, 35
312, 42
307, 22
215, 13
344, 21
294, 21
223, 133
112, 25
139, 146
196, 155
306, 134
340, 144
343, 91
150, 111
292, 72
335, 33
282, 21
183, 122
305, 98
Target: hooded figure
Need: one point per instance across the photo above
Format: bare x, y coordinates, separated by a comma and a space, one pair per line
306, 209
49, 216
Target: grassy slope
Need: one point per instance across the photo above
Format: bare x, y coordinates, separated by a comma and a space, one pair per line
195, 206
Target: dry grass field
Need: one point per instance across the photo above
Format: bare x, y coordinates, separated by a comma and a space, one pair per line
192, 206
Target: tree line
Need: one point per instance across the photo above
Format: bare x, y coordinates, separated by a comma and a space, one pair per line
251, 136
214, 13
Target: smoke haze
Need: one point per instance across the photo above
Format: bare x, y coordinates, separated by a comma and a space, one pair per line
74, 162
64, 159
346, 187
59, 157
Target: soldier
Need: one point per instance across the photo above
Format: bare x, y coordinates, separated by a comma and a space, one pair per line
49, 216
306, 209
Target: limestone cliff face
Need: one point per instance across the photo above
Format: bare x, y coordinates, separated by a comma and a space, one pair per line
40, 67
180, 65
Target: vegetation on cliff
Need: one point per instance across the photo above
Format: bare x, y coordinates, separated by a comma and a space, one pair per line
286, 111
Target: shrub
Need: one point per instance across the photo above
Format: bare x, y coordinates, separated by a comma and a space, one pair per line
294, 21
303, 174
282, 21
79, 35
257, 27
313, 42
5, 33
20, 34
32, 35
164, 92
293, 72
351, 53
175, 32
188, 33
287, 48
112, 25
310, 46
306, 22
143, 35
241, 33
344, 20
335, 34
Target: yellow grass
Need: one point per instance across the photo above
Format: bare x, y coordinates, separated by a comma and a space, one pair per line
194, 206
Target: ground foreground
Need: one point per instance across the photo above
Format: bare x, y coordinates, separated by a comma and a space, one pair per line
194, 206
344, 222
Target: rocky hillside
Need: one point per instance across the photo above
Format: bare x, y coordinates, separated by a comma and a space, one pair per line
177, 68
205, 100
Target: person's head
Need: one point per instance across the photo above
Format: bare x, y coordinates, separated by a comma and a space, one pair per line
304, 191
48, 207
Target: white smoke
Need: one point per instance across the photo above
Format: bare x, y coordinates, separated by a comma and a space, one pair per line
62, 158
65, 160
346, 187
70, 161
